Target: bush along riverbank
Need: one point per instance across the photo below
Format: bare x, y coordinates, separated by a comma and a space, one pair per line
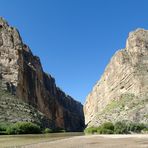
118, 128
25, 128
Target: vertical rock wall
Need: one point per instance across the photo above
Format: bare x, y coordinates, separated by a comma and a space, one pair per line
22, 75
127, 73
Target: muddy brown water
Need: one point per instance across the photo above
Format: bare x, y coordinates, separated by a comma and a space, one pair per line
10, 141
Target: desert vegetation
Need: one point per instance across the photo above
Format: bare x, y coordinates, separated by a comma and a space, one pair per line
25, 128
19, 128
118, 128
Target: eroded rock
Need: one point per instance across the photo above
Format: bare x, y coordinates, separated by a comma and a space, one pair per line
126, 75
22, 75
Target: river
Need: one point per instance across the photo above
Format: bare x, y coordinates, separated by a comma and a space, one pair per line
20, 140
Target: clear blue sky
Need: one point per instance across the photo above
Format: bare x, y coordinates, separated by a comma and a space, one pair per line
75, 39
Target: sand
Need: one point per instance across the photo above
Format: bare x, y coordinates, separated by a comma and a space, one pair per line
97, 141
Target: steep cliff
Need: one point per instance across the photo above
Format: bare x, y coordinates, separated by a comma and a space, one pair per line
22, 75
122, 92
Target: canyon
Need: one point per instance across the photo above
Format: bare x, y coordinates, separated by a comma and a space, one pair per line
22, 76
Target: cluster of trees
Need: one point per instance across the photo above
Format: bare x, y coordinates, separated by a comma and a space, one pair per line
20, 128
118, 128
25, 128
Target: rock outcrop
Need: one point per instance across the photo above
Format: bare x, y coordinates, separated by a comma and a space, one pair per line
122, 92
14, 110
22, 75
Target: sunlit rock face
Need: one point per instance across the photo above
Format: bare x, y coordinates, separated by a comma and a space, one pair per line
122, 91
22, 75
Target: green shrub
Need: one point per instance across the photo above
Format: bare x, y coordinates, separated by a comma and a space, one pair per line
90, 130
145, 130
108, 125
106, 128
136, 127
4, 126
104, 131
11, 130
23, 128
48, 130
120, 128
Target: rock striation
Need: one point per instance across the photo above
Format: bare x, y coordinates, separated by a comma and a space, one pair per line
22, 75
122, 91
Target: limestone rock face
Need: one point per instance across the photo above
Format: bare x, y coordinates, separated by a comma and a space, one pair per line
22, 75
122, 92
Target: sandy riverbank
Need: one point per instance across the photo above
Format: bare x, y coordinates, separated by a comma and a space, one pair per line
97, 141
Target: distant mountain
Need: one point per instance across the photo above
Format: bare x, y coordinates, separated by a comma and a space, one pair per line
22, 76
122, 92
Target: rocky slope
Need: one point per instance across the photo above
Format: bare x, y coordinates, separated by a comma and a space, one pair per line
122, 92
13, 110
22, 75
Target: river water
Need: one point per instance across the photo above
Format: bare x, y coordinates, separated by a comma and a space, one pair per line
20, 140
